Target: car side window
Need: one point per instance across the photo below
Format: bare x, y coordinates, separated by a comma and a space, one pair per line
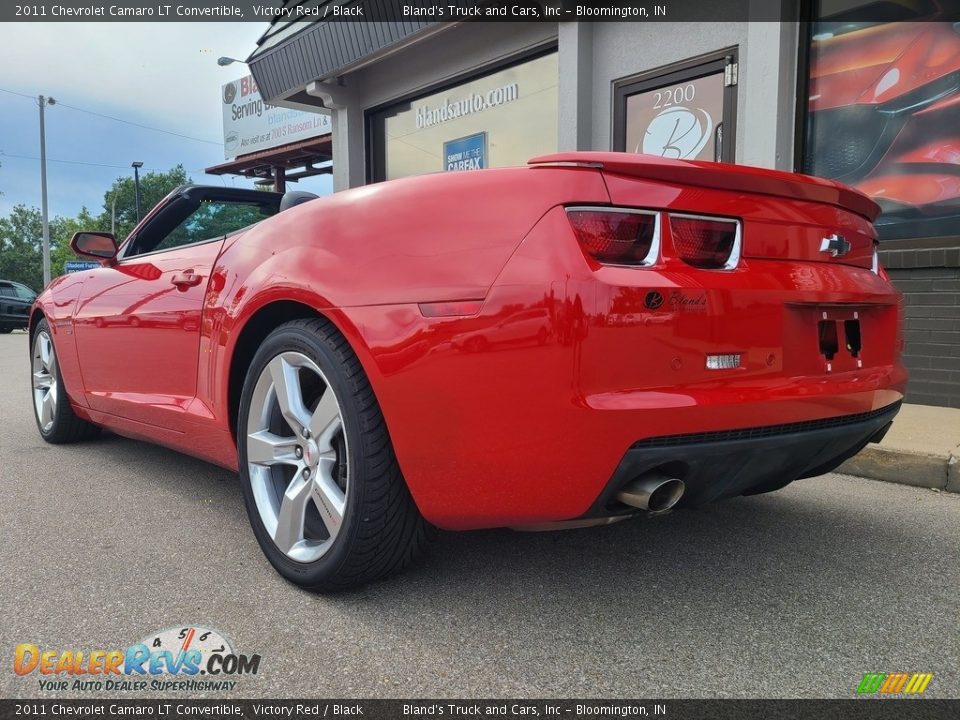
6, 290
212, 219
24, 293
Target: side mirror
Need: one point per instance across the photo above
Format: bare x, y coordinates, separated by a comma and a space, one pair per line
95, 245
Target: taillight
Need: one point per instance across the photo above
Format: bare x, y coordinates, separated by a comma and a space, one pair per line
705, 242
617, 237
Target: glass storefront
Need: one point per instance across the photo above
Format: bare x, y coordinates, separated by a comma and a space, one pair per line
884, 111
503, 118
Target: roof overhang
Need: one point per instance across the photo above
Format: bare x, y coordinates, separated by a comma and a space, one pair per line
293, 53
299, 160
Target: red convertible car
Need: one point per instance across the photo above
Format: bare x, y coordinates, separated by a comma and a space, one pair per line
590, 337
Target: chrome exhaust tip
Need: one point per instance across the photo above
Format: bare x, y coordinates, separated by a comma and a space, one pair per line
653, 492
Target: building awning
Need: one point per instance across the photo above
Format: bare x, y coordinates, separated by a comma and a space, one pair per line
294, 52
296, 160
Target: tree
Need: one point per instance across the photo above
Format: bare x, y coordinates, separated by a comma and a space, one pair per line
21, 235
21, 232
61, 231
21, 244
154, 186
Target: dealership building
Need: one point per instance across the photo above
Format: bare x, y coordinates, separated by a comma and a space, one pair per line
818, 86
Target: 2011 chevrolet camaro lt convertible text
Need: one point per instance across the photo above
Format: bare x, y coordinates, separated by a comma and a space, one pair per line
590, 337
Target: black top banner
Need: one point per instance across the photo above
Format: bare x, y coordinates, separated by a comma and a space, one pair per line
286, 11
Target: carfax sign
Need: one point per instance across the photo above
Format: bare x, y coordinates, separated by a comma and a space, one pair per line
466, 153
250, 124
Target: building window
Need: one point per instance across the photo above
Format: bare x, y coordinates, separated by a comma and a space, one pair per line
684, 111
502, 118
884, 108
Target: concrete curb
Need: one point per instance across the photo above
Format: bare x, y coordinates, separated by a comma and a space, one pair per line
905, 467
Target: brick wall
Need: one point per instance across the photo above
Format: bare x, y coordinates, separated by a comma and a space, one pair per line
930, 282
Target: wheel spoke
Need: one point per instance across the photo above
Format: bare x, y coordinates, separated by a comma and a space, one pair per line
42, 380
266, 448
328, 496
290, 518
45, 347
286, 383
325, 420
47, 407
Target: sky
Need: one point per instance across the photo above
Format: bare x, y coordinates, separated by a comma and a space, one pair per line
162, 75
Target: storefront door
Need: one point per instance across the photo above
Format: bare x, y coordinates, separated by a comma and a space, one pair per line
685, 111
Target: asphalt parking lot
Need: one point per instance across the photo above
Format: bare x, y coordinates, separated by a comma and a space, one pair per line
794, 594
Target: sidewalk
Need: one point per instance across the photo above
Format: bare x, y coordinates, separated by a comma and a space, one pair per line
921, 449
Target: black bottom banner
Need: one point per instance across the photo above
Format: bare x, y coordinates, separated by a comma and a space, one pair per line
912, 709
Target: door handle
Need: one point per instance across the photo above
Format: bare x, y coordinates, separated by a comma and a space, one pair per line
186, 279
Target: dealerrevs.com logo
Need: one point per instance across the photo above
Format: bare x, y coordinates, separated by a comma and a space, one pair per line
187, 658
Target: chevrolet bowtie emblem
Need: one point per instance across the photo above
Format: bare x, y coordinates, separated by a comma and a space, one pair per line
836, 245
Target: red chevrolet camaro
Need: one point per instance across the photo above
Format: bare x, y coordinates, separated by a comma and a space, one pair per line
588, 338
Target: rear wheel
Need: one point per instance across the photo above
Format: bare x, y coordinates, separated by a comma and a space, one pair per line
322, 486
51, 407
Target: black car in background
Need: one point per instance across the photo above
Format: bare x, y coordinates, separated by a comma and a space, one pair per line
15, 302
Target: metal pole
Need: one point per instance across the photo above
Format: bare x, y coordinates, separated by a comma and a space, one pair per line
136, 182
42, 102
113, 215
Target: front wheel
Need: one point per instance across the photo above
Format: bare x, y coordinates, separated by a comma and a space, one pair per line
321, 483
51, 407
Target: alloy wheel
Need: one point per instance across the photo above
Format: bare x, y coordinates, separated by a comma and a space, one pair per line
297, 457
45, 385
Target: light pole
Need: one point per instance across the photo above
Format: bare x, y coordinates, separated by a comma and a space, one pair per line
136, 165
42, 102
224, 61
113, 215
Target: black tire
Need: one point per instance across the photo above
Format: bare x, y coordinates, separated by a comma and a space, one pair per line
381, 529
64, 425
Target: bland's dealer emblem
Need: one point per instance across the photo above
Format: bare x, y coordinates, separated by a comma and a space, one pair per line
836, 245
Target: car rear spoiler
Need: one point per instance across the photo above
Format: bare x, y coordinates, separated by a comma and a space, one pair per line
723, 176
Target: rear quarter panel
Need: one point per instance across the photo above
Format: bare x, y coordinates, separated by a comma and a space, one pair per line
383, 247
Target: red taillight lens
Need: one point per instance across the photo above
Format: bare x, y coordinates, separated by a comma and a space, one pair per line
706, 242
615, 237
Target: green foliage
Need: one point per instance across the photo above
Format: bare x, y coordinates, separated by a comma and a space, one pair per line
214, 219
61, 230
154, 187
20, 237
21, 232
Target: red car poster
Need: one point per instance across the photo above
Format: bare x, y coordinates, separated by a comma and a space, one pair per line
884, 115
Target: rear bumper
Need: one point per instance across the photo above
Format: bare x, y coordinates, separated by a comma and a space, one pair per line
727, 463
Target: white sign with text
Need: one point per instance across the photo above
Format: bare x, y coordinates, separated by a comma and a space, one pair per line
251, 125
